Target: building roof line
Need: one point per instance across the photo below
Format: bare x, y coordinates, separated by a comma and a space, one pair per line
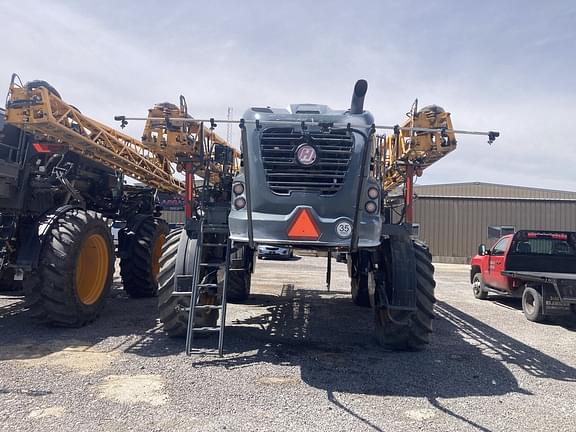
418, 196
492, 184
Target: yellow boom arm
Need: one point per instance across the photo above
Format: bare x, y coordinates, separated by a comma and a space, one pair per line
411, 146
37, 109
170, 131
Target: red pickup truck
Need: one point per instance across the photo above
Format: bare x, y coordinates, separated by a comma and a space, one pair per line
538, 266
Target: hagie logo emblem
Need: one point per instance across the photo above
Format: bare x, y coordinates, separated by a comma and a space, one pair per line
306, 155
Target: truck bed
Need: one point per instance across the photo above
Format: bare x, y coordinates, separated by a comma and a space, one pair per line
539, 276
563, 285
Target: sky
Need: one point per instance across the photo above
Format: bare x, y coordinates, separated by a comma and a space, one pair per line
506, 66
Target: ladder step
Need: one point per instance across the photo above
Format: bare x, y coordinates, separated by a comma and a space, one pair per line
211, 264
189, 293
205, 307
206, 329
215, 244
204, 351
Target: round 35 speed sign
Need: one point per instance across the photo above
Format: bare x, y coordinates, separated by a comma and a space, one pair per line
344, 229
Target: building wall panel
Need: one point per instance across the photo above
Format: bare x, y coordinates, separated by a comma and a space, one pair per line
173, 216
454, 227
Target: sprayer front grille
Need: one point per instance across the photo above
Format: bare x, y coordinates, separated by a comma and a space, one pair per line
284, 174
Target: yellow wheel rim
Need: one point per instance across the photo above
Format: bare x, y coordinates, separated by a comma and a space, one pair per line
156, 254
92, 269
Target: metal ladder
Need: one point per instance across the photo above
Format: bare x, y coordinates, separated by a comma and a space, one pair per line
197, 285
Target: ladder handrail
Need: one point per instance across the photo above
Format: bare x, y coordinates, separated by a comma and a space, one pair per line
224, 301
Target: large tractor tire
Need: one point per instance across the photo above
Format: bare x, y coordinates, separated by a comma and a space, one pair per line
358, 281
240, 276
178, 259
140, 262
75, 270
407, 330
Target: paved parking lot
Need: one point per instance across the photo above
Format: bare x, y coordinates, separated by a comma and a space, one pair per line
298, 358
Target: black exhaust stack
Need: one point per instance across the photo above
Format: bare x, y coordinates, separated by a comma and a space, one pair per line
357, 104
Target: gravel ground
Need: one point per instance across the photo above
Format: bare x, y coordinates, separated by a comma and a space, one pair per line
298, 358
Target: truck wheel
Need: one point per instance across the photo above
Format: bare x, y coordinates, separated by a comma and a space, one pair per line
178, 259
478, 287
532, 305
239, 282
75, 270
140, 263
408, 330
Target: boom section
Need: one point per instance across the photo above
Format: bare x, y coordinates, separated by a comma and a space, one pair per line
37, 110
169, 130
414, 145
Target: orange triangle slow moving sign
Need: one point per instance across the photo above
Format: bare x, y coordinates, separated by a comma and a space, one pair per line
303, 227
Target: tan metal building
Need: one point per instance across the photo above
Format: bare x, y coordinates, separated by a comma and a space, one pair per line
455, 218
174, 216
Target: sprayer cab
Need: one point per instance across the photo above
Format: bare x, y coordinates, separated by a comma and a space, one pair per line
308, 177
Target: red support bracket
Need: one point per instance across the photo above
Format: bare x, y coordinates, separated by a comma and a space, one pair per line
189, 185
409, 191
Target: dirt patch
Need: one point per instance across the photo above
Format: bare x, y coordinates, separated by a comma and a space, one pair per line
134, 389
420, 414
55, 411
278, 380
73, 355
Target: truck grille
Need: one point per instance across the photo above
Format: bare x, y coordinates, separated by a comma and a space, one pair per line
285, 175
